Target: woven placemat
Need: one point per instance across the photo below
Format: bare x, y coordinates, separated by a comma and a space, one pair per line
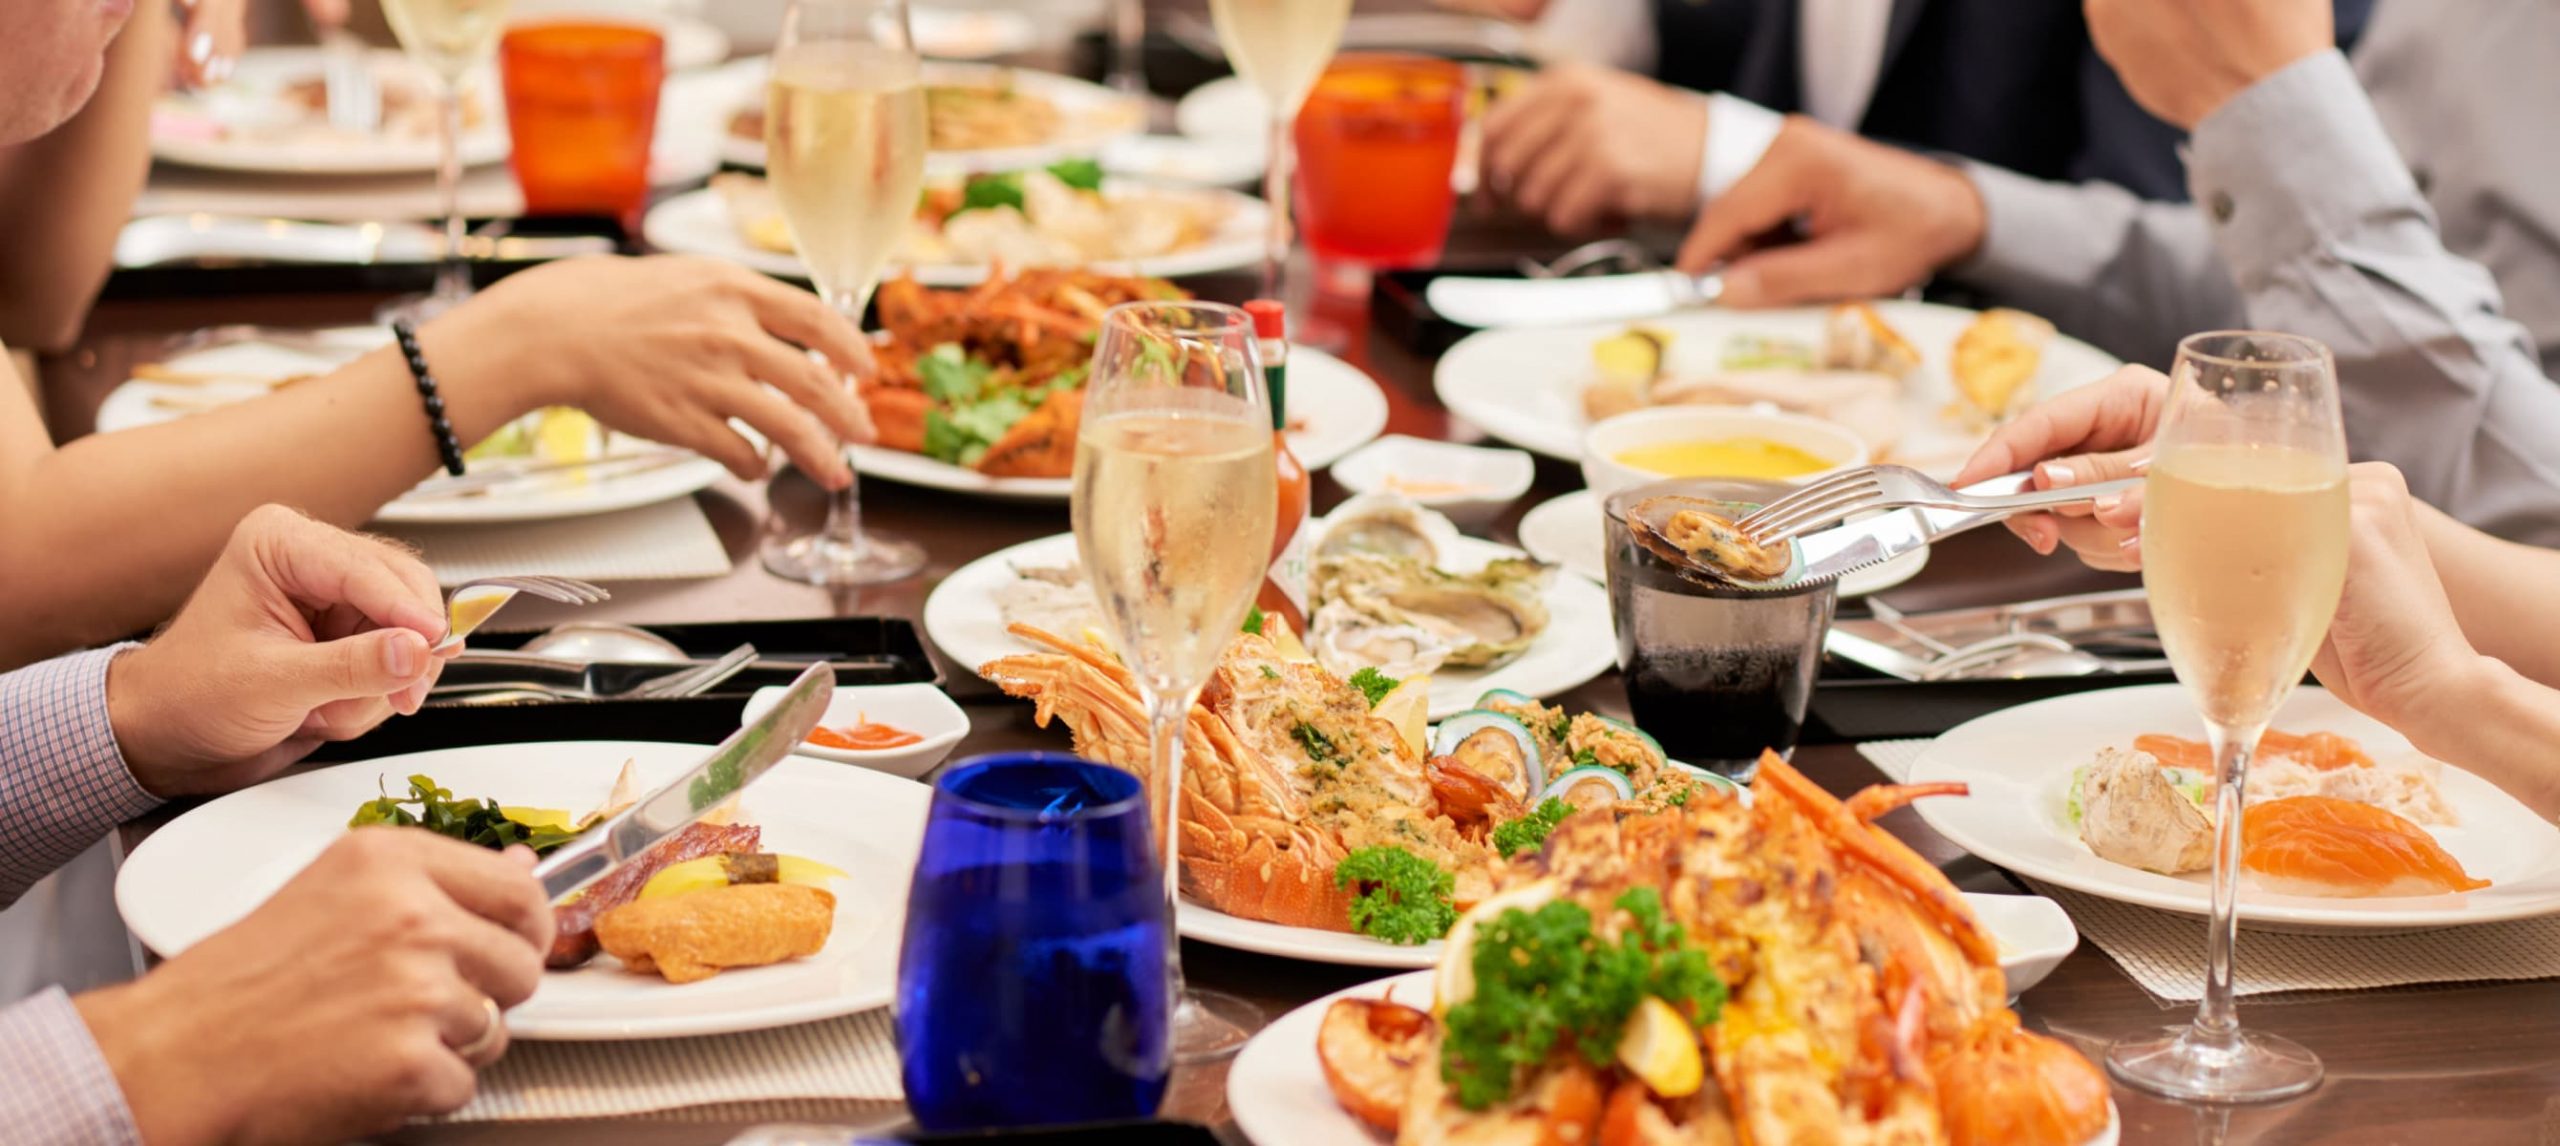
804, 1071
2164, 951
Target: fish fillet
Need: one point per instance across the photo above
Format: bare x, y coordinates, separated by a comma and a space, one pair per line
2320, 845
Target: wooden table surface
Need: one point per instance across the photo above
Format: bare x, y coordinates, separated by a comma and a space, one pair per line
2469, 1064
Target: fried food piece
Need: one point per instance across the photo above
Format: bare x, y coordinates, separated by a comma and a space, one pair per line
1996, 360
1855, 337
690, 937
574, 937
898, 415
1042, 444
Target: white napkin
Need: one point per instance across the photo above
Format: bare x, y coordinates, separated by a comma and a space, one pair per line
668, 541
851, 1059
2164, 951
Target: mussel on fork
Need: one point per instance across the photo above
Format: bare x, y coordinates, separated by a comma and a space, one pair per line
1698, 539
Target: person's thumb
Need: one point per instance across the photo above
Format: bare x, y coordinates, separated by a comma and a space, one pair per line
376, 663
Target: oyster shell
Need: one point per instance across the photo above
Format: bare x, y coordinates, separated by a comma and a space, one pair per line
1388, 525
1345, 640
1485, 617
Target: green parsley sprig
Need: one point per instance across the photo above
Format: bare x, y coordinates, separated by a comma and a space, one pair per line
1374, 684
1403, 898
1529, 831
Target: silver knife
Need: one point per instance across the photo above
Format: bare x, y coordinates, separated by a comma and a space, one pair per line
1844, 549
156, 239
747, 754
1569, 301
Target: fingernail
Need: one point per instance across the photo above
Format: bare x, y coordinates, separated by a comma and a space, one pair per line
2141, 466
200, 48
403, 655
2108, 504
2054, 474
219, 70
2130, 543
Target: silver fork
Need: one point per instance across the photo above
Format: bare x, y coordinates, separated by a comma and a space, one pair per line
355, 101
473, 602
1866, 488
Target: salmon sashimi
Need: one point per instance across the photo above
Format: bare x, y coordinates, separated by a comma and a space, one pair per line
2319, 751
2319, 845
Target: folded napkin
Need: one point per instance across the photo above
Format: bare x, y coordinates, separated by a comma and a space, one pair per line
2164, 951
806, 1071
668, 541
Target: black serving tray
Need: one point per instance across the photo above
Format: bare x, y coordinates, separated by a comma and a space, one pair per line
234, 277
1853, 703
864, 650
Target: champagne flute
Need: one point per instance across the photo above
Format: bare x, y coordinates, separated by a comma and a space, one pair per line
2244, 553
450, 38
844, 136
1175, 489
1280, 47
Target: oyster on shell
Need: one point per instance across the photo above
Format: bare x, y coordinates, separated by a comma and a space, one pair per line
1367, 604
1387, 525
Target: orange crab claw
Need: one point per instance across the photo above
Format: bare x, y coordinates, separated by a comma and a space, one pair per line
1890, 858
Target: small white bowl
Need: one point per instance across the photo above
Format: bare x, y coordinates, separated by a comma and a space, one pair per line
1605, 474
922, 709
2034, 934
1396, 462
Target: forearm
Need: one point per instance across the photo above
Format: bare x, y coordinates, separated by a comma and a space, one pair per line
2486, 578
59, 1087
63, 781
64, 197
2503, 730
2326, 233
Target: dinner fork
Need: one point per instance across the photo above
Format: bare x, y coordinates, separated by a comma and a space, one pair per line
473, 602
1868, 488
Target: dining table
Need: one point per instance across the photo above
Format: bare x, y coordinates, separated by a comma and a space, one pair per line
2453, 1065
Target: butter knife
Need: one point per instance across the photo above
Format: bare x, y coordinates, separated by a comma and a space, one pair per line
1569, 301
747, 754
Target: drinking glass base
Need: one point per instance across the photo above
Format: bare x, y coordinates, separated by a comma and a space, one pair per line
1211, 1025
2251, 1067
820, 559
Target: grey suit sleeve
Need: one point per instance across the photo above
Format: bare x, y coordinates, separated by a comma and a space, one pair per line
2129, 274
2327, 236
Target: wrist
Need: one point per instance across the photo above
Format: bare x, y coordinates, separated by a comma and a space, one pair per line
133, 713
2496, 723
153, 1066
1961, 218
484, 378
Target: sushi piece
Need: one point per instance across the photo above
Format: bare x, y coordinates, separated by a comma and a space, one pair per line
697, 935
2131, 812
2320, 845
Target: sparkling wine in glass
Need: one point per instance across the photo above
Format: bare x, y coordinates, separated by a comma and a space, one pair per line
844, 134
450, 38
2244, 552
1280, 47
1175, 489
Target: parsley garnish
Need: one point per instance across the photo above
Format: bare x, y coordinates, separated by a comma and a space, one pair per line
1562, 726
1403, 898
1318, 745
1270, 673
982, 192
1530, 830
1680, 799
1586, 758
1544, 980
1374, 684
1253, 619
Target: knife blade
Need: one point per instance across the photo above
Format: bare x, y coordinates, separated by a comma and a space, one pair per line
1569, 301
747, 754
157, 239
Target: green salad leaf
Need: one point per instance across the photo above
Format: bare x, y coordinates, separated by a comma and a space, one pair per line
1403, 898
435, 809
983, 192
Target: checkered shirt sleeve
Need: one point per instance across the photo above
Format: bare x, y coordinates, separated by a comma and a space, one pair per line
55, 1088
63, 784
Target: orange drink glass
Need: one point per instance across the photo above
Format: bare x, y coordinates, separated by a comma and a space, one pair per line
582, 103
1377, 143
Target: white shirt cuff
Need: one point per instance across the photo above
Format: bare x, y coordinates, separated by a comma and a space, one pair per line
1739, 132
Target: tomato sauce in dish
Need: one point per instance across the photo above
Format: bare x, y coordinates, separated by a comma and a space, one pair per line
863, 736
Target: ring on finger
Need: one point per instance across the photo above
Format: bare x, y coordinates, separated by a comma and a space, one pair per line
490, 1033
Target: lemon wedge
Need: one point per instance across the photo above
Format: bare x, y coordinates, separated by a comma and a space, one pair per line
1633, 355
562, 434
1454, 980
1408, 708
1661, 1048
541, 817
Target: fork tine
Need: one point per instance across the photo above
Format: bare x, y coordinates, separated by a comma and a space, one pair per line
1816, 510
1800, 494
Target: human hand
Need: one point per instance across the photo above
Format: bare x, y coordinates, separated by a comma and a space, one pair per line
333, 1010
2395, 651
300, 633
669, 348
1876, 220
2100, 432
1579, 144
2181, 59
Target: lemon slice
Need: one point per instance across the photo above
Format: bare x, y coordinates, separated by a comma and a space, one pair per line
541, 817
1408, 708
566, 435
1454, 980
1661, 1048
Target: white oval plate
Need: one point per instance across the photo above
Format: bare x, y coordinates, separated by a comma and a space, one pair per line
1525, 385
1224, 110
697, 223
253, 96
2019, 761
1093, 115
1336, 407
1567, 531
1277, 1092
215, 864
962, 618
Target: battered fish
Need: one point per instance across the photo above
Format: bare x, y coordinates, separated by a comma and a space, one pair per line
694, 936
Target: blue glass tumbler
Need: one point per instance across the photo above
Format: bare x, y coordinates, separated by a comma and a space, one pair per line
1032, 981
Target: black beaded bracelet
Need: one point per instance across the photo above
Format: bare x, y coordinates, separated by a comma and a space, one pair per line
447, 446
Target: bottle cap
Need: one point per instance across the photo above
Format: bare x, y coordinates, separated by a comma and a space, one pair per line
1270, 319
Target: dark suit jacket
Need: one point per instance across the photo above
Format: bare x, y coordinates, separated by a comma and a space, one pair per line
2007, 82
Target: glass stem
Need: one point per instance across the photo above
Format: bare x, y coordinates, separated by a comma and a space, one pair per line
844, 506
1275, 195
2217, 1017
1129, 45
1167, 714
453, 278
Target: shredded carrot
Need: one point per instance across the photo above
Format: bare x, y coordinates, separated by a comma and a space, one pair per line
863, 736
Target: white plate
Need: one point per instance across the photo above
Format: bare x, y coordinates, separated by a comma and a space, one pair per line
1277, 1092
923, 709
1567, 531
1092, 116
962, 618
697, 223
1183, 159
1337, 407
215, 864
1225, 109
1525, 385
252, 97
136, 403
2019, 763
1480, 473
971, 33
2033, 933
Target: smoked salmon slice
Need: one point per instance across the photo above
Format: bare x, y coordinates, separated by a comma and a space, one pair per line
2320, 845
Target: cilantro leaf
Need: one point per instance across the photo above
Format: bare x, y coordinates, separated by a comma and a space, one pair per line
1270, 673
1531, 830
949, 375
1403, 898
1081, 174
1374, 684
945, 441
983, 192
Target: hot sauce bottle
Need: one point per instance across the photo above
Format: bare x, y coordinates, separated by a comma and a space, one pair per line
1284, 585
